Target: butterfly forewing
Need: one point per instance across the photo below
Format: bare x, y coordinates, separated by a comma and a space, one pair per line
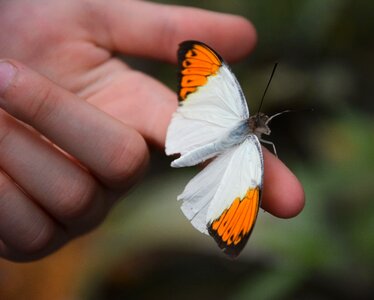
214, 103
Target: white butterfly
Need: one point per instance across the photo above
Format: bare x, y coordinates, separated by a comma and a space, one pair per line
213, 121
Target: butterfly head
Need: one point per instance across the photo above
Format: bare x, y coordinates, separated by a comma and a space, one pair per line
258, 124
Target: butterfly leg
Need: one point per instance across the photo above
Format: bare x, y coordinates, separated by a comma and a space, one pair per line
272, 144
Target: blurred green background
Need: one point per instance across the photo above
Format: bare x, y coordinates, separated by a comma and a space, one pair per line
148, 250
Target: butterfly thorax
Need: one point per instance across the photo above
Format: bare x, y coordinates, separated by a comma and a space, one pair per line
258, 124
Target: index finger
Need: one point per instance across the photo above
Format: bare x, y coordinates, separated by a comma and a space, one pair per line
154, 30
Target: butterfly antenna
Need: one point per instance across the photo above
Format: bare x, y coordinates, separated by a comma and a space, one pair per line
263, 96
288, 111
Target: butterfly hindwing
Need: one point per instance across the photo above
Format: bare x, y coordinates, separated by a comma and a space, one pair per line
224, 198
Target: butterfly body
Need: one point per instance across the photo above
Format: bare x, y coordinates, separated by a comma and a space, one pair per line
213, 122
229, 139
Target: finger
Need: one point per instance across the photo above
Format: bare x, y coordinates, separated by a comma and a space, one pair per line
155, 30
24, 227
60, 186
283, 195
20, 255
114, 152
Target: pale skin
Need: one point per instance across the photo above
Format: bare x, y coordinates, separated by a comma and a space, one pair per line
87, 118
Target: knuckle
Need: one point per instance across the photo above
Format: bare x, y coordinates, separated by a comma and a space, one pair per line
5, 188
123, 161
75, 202
31, 96
41, 104
27, 239
169, 33
116, 167
37, 240
5, 127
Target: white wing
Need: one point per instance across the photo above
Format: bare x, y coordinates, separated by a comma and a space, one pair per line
223, 199
212, 100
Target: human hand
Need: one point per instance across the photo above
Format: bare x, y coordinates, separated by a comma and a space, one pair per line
59, 178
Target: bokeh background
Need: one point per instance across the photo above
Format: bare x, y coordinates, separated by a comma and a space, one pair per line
146, 249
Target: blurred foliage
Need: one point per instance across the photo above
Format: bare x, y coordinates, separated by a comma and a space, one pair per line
325, 50
325, 54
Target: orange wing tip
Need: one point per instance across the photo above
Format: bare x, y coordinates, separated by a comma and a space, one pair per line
197, 61
232, 229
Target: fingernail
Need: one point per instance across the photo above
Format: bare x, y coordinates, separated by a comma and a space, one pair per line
7, 72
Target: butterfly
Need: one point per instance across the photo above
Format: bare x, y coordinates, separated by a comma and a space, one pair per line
213, 122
